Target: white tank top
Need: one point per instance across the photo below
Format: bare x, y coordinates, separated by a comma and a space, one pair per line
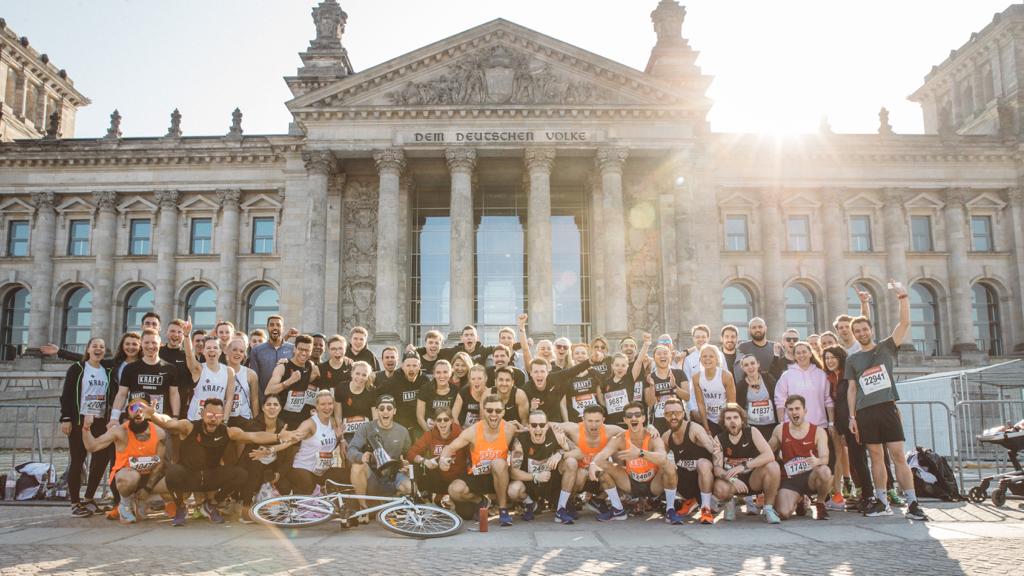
241, 405
210, 385
316, 453
714, 394
94, 391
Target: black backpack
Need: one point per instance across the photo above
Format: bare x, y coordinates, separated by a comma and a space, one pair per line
945, 487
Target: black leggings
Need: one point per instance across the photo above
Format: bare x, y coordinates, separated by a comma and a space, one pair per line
223, 479
97, 464
859, 469
258, 474
303, 481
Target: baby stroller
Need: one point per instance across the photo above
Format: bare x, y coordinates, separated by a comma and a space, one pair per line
1011, 438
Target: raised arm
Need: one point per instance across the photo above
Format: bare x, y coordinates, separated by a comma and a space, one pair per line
94, 444
194, 368
865, 302
524, 341
180, 427
638, 364
900, 331
276, 385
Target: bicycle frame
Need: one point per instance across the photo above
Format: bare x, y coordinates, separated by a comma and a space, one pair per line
338, 499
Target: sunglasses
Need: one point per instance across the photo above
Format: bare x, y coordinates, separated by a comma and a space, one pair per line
538, 424
135, 407
494, 410
442, 419
385, 408
561, 347
633, 414
792, 339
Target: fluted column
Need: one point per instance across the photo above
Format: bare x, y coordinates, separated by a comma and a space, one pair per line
610, 162
390, 164
538, 242
227, 295
835, 272
166, 249
1017, 218
319, 167
461, 162
43, 240
774, 305
104, 235
959, 281
894, 222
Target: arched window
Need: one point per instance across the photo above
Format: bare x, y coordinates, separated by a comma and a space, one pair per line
14, 330
986, 319
737, 308
139, 301
77, 326
201, 306
853, 305
924, 320
800, 310
263, 301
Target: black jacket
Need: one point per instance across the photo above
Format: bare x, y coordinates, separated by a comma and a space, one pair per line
71, 394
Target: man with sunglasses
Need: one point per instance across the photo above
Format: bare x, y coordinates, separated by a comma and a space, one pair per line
583, 472
488, 441
384, 433
645, 469
537, 464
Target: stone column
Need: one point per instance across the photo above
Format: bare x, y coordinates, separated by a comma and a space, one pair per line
610, 162
538, 243
227, 295
706, 300
390, 164
894, 222
319, 168
773, 307
461, 162
104, 236
166, 249
959, 280
43, 241
1017, 219
835, 271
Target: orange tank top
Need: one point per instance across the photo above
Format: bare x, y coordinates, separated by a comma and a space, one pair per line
138, 455
640, 469
485, 451
588, 451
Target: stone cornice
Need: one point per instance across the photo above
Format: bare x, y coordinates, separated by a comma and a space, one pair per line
604, 112
865, 149
40, 66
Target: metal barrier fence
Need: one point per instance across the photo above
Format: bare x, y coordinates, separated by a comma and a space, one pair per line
931, 420
972, 417
30, 432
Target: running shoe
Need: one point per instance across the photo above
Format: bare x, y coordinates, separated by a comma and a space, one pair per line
171, 509
836, 503
612, 514
751, 504
504, 518
706, 517
125, 511
820, 511
771, 516
687, 507
730, 510
877, 508
112, 514
529, 508
179, 516
571, 509
801, 507
563, 517
598, 505
80, 511
95, 508
914, 512
209, 509
673, 517
895, 499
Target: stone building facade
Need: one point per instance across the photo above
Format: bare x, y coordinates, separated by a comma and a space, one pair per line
501, 170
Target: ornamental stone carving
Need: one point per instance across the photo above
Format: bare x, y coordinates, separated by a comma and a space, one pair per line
390, 159
174, 131
893, 198
539, 159
643, 261
229, 197
500, 75
956, 197
43, 200
611, 159
105, 200
359, 258
330, 22
460, 159
1016, 195
167, 199
319, 162
114, 131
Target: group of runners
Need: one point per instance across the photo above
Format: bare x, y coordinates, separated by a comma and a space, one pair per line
215, 421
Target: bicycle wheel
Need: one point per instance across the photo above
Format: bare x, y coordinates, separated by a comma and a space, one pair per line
420, 521
293, 511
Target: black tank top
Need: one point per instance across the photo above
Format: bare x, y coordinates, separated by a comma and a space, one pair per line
738, 453
535, 454
687, 453
511, 410
202, 451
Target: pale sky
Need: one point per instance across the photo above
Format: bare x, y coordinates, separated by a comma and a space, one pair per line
778, 65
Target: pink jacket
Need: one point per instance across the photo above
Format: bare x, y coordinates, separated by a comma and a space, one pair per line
812, 384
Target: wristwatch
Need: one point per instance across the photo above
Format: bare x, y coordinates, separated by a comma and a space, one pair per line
641, 453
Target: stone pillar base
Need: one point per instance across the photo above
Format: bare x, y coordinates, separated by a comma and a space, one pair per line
32, 359
965, 347
971, 356
538, 336
386, 339
1019, 348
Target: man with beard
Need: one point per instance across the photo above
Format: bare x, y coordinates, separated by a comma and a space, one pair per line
536, 464
173, 351
139, 461
805, 471
729, 336
769, 354
388, 365
265, 357
488, 442
842, 323
691, 449
502, 357
404, 388
471, 345
744, 464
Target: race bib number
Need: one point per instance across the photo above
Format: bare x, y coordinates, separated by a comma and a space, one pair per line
93, 405
581, 402
158, 404
796, 467
143, 464
295, 401
535, 466
236, 404
713, 411
481, 469
645, 475
874, 379
311, 396
760, 412
471, 418
324, 460
690, 465
616, 401
659, 409
352, 424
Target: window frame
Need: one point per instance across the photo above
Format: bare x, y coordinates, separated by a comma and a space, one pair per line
790, 237
9, 251
931, 233
865, 236
193, 221
729, 236
989, 232
73, 242
65, 327
132, 238
254, 239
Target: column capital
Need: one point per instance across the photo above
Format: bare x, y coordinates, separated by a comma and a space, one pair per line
771, 196
539, 159
105, 200
320, 163
228, 197
1016, 195
390, 159
44, 200
833, 195
460, 159
956, 197
611, 159
893, 196
167, 199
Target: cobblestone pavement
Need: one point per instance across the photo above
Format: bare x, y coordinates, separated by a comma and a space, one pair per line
962, 539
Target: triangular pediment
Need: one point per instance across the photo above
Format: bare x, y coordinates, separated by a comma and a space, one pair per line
985, 201
742, 200
16, 205
801, 199
862, 201
501, 64
136, 204
198, 202
75, 205
925, 200
261, 202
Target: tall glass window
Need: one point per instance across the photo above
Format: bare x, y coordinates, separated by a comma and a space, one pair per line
986, 319
500, 263
201, 305
201, 241
78, 238
798, 229
800, 310
736, 233
860, 233
570, 272
17, 238
77, 325
14, 329
262, 235
140, 235
981, 233
924, 320
263, 301
737, 308
138, 303
921, 234
431, 282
